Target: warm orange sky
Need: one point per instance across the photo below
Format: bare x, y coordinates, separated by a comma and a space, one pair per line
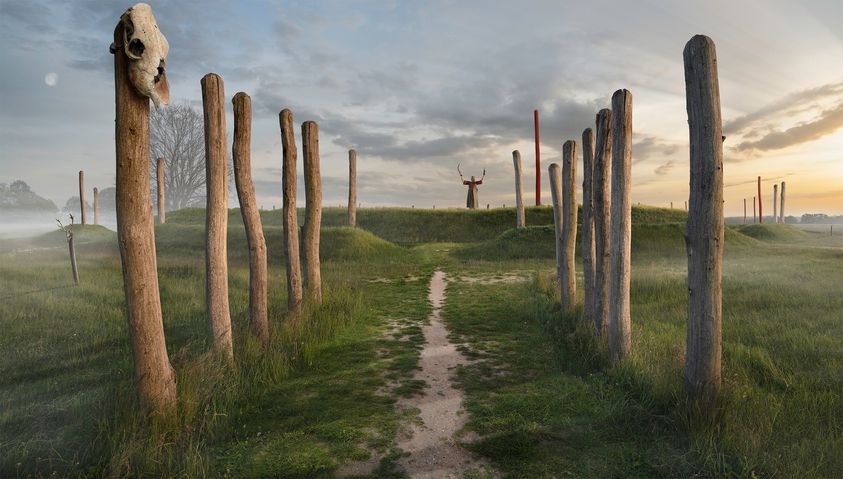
418, 87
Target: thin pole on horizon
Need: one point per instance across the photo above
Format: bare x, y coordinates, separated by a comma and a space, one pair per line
538, 159
760, 215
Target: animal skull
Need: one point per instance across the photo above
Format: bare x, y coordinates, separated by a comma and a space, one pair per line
147, 50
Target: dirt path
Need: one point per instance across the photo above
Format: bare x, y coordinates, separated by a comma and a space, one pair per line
431, 447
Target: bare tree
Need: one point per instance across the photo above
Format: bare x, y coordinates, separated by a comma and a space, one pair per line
177, 135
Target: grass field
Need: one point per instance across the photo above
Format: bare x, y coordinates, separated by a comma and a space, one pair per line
540, 394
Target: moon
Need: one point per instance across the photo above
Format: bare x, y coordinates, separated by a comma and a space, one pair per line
51, 79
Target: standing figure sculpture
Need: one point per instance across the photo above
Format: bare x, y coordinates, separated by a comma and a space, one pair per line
471, 200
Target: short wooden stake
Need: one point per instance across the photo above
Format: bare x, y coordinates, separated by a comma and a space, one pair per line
620, 328
96, 206
704, 231
242, 153
216, 217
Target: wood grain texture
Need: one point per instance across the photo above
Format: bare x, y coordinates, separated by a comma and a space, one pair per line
216, 216
161, 189
704, 230
155, 379
242, 155
601, 193
313, 211
587, 243
289, 185
520, 219
619, 326
568, 276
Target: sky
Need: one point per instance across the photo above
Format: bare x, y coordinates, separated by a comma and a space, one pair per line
420, 87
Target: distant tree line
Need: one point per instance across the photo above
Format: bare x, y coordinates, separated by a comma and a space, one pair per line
820, 218
18, 198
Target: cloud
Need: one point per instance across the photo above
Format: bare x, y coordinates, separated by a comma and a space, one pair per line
827, 122
665, 168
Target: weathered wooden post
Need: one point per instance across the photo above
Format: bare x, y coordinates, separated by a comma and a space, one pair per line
620, 328
154, 376
96, 206
775, 203
671, 205
313, 210
704, 230
601, 192
538, 159
686, 206
242, 155
352, 188
68, 231
291, 223
760, 214
216, 217
568, 276
555, 177
744, 211
520, 221
781, 206
83, 216
587, 243
754, 216
159, 178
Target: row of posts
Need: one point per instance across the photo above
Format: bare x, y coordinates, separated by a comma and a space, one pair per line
778, 205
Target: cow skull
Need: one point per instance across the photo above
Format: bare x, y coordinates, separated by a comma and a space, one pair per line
147, 49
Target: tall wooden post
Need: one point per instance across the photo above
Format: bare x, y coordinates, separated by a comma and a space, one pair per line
704, 231
601, 192
568, 272
781, 206
744, 211
554, 175
216, 217
587, 243
159, 177
538, 159
242, 153
754, 215
620, 328
760, 214
520, 220
775, 203
291, 223
155, 379
96, 206
352, 188
84, 218
313, 210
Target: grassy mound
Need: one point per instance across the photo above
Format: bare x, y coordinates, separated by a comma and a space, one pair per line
354, 244
537, 242
775, 233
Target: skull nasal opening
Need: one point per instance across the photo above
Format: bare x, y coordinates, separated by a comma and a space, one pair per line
136, 47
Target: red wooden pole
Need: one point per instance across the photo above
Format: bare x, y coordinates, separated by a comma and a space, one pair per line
538, 160
760, 215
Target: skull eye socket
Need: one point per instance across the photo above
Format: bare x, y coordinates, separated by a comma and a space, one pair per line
136, 47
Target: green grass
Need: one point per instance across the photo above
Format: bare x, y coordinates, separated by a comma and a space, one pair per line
540, 392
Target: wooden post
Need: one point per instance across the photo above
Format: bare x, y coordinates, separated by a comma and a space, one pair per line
555, 178
587, 243
781, 206
686, 206
242, 155
159, 177
520, 220
760, 214
620, 340
313, 210
155, 379
84, 218
538, 159
352, 188
601, 192
568, 273
754, 216
216, 217
72, 250
96, 206
704, 230
291, 223
775, 203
